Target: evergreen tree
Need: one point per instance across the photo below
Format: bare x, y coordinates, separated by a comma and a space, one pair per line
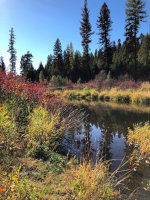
135, 14
26, 63
12, 51
2, 64
119, 44
39, 70
119, 61
144, 52
104, 25
144, 57
71, 56
67, 70
86, 32
58, 60
49, 67
41, 76
77, 67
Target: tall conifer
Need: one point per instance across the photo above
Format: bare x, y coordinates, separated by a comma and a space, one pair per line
135, 14
12, 51
86, 32
104, 25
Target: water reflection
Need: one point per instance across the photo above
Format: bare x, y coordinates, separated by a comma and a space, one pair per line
103, 135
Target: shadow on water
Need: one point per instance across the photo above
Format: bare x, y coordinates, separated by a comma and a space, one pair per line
103, 135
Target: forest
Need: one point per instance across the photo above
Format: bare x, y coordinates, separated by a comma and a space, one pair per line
126, 60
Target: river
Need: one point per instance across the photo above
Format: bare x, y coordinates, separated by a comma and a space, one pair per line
104, 135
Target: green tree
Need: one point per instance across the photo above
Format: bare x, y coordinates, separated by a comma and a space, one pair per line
144, 57
41, 76
86, 32
71, 56
49, 67
135, 14
144, 52
39, 70
67, 70
58, 60
2, 64
104, 25
12, 51
77, 67
26, 63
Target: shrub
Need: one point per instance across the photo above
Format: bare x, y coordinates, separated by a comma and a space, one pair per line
90, 183
58, 81
12, 187
8, 136
140, 137
45, 128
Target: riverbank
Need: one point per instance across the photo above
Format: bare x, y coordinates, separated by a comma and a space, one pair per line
32, 125
139, 95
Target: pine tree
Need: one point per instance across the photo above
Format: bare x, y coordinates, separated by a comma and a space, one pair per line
49, 67
26, 63
41, 76
2, 64
71, 56
58, 60
12, 51
135, 14
144, 52
104, 25
119, 44
77, 67
67, 70
86, 32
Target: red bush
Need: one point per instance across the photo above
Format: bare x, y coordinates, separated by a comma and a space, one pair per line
37, 92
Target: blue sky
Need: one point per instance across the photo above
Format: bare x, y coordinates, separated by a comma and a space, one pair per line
38, 23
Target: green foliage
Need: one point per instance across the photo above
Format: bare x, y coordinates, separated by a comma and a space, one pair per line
144, 57
104, 25
8, 133
86, 32
40, 152
26, 63
58, 81
135, 14
45, 128
19, 108
41, 76
12, 51
58, 67
2, 64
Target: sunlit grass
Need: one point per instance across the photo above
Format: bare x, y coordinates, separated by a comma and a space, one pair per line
137, 96
140, 137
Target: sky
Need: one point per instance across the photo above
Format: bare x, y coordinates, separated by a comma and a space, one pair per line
38, 23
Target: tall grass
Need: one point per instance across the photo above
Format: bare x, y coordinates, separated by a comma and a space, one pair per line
140, 137
92, 183
139, 95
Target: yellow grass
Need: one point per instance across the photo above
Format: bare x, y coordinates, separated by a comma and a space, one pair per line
139, 96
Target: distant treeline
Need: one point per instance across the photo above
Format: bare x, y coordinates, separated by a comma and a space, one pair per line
129, 59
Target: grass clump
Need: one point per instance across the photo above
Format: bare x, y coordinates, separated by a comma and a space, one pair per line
140, 137
92, 183
45, 128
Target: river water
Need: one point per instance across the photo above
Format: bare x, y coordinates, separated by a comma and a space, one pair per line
104, 135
